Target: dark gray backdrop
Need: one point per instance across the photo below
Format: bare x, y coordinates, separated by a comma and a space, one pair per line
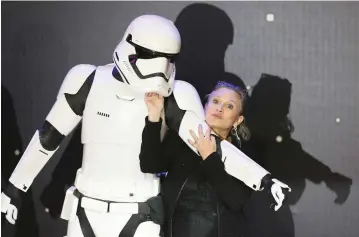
312, 44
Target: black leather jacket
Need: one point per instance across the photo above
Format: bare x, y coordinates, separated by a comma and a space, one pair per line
200, 198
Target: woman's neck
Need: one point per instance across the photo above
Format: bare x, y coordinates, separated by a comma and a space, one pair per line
222, 133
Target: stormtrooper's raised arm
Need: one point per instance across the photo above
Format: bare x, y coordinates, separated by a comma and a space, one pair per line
184, 111
65, 114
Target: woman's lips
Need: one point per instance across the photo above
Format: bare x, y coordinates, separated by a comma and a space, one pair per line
217, 116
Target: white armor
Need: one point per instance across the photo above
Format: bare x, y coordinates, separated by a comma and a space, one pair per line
113, 114
116, 138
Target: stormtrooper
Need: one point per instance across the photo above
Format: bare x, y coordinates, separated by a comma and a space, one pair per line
111, 196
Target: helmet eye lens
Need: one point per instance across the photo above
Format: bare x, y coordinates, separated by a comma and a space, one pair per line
144, 53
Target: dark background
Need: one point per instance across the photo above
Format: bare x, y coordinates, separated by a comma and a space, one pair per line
311, 46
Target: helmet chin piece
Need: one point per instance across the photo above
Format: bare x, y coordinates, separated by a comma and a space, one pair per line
156, 67
153, 85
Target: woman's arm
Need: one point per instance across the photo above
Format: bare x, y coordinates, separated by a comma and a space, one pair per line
153, 154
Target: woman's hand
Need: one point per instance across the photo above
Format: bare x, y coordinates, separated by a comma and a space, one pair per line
154, 103
204, 143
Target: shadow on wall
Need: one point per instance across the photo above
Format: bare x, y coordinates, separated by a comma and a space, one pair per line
11, 152
36, 54
206, 32
267, 119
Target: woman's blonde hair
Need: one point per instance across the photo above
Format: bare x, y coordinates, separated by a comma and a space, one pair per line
241, 131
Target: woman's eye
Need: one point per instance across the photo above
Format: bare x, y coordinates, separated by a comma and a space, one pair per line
215, 101
229, 106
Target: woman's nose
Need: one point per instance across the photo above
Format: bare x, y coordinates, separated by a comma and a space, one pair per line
219, 108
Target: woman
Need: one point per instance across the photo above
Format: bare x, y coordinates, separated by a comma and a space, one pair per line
200, 198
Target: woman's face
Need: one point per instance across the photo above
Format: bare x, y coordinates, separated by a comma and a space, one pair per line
223, 109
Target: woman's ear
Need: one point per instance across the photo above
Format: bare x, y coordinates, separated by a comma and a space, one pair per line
239, 121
